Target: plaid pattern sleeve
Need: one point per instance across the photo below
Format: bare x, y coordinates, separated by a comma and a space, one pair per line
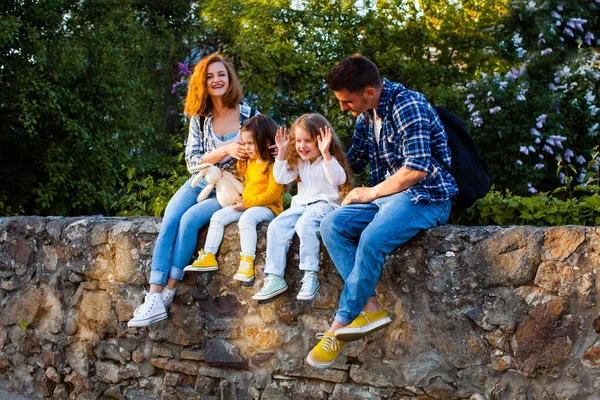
194, 148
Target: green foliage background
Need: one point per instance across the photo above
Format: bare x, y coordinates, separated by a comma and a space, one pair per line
89, 124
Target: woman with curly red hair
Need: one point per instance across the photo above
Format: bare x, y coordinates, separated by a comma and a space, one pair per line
217, 110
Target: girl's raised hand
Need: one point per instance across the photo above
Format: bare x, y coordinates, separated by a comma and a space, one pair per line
324, 141
282, 140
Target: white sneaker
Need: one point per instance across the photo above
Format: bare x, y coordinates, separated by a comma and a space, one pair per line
310, 286
167, 295
153, 310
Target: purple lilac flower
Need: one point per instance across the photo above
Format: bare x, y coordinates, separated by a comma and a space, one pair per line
471, 107
531, 189
538, 140
568, 154
531, 149
174, 87
558, 23
491, 98
569, 32
577, 23
559, 7
539, 166
541, 156
520, 97
555, 15
547, 51
556, 141
580, 159
183, 69
561, 178
519, 162
548, 149
495, 110
524, 150
540, 121
562, 39
588, 38
503, 85
535, 132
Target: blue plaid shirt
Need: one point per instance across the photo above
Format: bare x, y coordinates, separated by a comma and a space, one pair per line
408, 140
201, 138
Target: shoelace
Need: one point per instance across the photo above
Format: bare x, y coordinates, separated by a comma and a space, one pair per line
245, 267
365, 316
150, 304
308, 282
331, 343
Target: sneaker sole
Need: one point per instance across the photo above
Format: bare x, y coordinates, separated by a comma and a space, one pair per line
309, 297
317, 364
147, 321
270, 295
191, 268
243, 278
350, 334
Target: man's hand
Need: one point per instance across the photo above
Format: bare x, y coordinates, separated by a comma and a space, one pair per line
359, 195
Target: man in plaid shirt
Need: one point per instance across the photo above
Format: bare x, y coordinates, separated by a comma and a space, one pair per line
397, 135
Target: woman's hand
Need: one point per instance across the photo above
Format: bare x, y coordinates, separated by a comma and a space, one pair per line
236, 150
282, 141
324, 141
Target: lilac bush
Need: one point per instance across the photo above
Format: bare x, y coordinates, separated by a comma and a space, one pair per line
542, 105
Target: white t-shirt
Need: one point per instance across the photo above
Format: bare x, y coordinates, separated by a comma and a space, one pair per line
376, 126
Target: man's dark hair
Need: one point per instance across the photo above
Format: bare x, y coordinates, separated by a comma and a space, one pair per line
353, 74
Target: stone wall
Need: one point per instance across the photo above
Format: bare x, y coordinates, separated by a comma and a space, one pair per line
480, 313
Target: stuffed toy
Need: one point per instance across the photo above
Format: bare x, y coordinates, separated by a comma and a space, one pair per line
229, 189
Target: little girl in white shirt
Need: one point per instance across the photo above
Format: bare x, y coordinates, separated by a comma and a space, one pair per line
317, 161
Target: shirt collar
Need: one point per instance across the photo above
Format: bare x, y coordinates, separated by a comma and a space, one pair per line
386, 96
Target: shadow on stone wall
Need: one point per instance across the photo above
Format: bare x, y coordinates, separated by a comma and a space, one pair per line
478, 312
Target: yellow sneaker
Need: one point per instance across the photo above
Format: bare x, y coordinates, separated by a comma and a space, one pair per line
205, 262
326, 351
245, 272
365, 323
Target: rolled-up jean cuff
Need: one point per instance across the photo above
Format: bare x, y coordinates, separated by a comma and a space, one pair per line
309, 267
176, 273
158, 278
344, 321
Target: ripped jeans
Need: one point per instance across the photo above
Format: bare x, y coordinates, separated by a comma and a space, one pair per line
305, 220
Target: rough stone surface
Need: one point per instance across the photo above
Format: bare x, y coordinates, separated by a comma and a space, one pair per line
477, 313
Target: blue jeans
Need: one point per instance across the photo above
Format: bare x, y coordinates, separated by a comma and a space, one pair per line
248, 219
304, 220
178, 235
358, 237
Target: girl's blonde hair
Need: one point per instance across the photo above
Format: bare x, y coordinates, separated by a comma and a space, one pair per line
311, 123
197, 101
263, 130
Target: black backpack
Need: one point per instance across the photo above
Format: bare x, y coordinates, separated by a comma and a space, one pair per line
469, 169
